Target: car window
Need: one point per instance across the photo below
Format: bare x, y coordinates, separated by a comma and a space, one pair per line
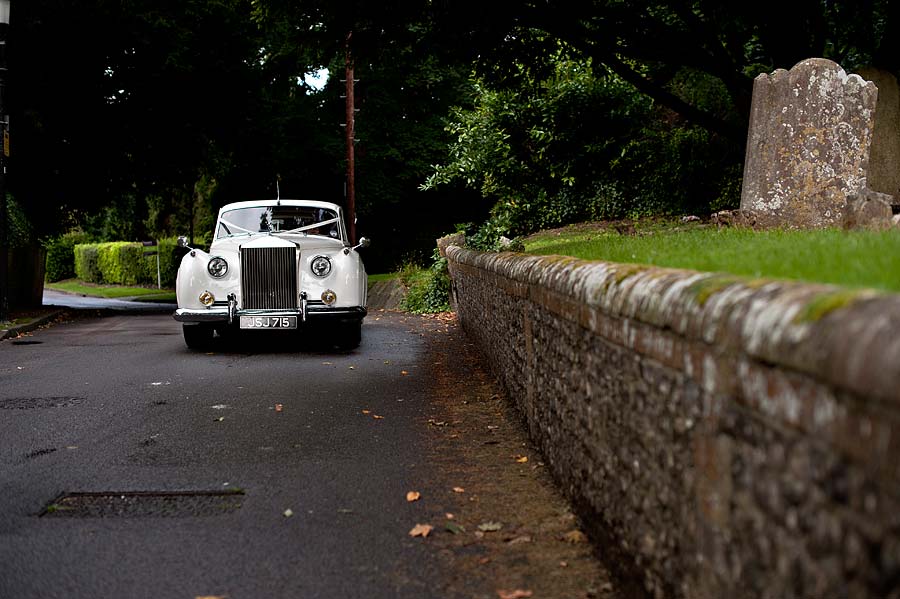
301, 220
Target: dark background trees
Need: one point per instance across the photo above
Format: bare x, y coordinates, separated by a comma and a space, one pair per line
134, 119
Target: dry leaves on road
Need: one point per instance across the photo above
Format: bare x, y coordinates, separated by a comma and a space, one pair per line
458, 490
421, 530
413, 496
575, 537
515, 594
522, 459
490, 526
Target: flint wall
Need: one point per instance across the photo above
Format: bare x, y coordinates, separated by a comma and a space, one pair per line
722, 436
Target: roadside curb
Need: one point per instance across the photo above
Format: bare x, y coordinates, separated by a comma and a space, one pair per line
17, 330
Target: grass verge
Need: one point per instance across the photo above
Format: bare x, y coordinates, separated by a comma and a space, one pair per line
143, 294
846, 258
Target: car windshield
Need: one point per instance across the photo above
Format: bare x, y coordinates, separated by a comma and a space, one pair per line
299, 220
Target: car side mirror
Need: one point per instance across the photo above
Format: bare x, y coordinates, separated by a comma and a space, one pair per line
364, 242
183, 242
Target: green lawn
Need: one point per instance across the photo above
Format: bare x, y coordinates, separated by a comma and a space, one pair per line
382, 277
850, 259
143, 294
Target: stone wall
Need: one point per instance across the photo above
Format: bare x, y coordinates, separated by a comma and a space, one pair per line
728, 437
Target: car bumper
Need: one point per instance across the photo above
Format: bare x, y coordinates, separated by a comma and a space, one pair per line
312, 314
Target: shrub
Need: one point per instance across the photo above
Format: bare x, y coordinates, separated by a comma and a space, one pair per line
87, 267
169, 260
120, 262
428, 290
61, 255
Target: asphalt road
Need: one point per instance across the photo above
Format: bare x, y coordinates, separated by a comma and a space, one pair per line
118, 406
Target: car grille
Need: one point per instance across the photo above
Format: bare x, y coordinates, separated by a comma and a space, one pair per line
269, 278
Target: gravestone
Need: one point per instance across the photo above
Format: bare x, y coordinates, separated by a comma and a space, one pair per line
808, 144
884, 158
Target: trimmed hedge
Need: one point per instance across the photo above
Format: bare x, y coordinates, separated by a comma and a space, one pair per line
86, 265
123, 263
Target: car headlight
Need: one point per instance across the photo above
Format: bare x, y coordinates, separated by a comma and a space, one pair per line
321, 266
217, 267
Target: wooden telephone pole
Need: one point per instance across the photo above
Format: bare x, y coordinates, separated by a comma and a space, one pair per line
350, 130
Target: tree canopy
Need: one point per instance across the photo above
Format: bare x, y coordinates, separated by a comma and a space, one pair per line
134, 118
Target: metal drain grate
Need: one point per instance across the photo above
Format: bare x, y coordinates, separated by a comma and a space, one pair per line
182, 504
37, 403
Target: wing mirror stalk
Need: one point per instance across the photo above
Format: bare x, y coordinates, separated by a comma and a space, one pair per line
364, 242
183, 243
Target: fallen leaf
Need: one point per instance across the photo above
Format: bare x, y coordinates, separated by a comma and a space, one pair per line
484, 560
575, 537
220, 419
490, 526
413, 496
458, 490
278, 407
522, 459
210, 597
516, 594
421, 530
449, 516
288, 513
519, 540
377, 417
563, 564
367, 412
455, 528
403, 373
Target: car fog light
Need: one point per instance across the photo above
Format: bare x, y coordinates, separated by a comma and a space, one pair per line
329, 297
207, 298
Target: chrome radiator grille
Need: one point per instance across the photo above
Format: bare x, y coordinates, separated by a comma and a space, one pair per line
269, 278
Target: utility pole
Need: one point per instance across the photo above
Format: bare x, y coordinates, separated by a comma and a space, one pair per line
350, 130
4, 154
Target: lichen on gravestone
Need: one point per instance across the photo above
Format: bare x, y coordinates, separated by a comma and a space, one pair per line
808, 144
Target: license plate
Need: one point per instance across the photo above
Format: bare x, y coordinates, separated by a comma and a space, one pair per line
268, 322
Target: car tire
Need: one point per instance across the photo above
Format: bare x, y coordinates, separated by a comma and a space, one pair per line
197, 336
351, 335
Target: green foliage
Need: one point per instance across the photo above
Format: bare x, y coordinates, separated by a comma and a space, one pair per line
120, 262
428, 289
123, 263
20, 229
87, 266
61, 255
169, 260
582, 144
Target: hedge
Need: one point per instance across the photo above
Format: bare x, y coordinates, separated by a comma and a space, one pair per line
123, 262
86, 266
61, 256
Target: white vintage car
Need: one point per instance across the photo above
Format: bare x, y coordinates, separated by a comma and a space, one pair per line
273, 265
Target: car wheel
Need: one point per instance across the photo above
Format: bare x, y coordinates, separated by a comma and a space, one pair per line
351, 335
197, 336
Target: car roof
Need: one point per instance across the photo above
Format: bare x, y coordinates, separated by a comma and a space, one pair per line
261, 203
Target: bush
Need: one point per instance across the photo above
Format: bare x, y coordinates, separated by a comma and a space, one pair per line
87, 267
428, 290
61, 255
169, 260
121, 263
124, 263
